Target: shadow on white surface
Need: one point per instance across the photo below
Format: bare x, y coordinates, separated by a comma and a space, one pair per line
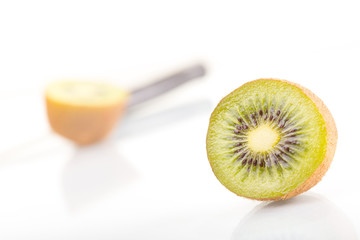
93, 172
306, 217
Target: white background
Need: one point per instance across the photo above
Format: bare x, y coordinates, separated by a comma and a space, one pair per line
151, 179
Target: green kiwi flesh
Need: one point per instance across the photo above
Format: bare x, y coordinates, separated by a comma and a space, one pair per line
265, 139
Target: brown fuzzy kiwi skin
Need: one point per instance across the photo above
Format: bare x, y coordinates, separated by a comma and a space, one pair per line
331, 139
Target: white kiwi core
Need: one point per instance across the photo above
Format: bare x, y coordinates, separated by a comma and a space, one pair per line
263, 138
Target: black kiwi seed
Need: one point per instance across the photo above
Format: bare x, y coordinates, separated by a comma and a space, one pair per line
237, 151
261, 112
293, 130
262, 163
255, 162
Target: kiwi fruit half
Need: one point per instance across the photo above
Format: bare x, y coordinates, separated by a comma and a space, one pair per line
270, 139
83, 111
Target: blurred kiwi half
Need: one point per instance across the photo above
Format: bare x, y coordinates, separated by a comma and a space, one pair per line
82, 111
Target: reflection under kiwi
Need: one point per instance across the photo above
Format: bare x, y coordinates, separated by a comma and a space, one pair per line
305, 217
93, 172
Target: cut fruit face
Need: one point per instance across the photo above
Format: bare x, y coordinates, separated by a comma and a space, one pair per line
266, 139
81, 93
84, 112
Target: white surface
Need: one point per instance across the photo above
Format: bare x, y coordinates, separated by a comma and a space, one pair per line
151, 180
